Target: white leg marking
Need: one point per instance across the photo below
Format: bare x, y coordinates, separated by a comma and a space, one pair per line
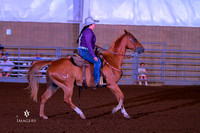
44, 117
78, 111
66, 76
118, 106
125, 113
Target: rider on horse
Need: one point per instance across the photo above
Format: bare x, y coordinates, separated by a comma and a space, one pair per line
86, 47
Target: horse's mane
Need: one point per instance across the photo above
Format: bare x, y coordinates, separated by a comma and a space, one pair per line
117, 43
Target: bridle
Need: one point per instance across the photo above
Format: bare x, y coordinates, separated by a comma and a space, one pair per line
133, 41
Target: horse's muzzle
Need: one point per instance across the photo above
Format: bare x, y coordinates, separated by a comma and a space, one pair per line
140, 50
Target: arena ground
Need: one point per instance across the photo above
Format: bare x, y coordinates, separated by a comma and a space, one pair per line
163, 109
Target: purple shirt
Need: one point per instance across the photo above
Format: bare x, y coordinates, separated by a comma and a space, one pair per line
88, 40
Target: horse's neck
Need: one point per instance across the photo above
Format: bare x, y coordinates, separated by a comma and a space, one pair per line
114, 59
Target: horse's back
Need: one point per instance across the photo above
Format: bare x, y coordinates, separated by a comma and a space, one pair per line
62, 62
59, 65
63, 68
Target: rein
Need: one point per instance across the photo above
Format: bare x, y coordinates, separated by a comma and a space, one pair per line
113, 67
128, 56
107, 61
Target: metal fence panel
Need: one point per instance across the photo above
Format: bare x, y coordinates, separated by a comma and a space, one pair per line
164, 66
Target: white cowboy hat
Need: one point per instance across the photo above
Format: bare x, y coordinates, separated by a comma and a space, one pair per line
89, 21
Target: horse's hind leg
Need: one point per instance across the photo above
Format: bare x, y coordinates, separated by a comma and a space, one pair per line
120, 97
68, 91
51, 89
67, 85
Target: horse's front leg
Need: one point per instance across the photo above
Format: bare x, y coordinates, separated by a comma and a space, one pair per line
120, 96
118, 107
124, 112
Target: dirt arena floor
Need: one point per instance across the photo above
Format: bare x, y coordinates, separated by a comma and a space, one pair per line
164, 109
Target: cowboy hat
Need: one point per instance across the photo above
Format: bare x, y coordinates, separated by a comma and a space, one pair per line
89, 21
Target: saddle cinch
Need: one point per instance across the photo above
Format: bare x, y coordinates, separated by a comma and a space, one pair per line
77, 60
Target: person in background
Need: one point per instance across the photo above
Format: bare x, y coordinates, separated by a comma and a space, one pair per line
142, 74
6, 66
37, 58
86, 47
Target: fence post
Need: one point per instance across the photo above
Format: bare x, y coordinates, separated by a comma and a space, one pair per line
163, 64
135, 62
185, 65
133, 68
58, 52
18, 62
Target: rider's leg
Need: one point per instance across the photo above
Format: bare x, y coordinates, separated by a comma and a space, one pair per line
85, 54
97, 71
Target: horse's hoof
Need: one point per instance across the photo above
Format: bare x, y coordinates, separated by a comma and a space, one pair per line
82, 116
44, 117
127, 116
114, 110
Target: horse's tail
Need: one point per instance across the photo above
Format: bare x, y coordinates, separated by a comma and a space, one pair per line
33, 80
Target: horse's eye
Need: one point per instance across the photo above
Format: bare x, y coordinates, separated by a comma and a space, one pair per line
134, 39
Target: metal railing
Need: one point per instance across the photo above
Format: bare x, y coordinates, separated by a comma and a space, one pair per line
164, 66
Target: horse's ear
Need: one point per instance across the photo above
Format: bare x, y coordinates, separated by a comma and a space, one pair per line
126, 32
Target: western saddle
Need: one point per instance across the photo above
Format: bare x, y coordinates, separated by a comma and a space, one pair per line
77, 60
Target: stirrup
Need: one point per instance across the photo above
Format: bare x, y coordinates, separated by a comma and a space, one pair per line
100, 85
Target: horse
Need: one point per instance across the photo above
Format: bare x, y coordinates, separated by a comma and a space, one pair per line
62, 73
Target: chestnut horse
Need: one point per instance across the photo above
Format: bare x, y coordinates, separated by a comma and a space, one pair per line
63, 74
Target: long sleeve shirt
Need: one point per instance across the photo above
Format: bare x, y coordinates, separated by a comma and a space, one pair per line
88, 40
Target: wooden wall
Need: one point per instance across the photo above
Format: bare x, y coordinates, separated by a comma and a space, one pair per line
185, 38
65, 34
38, 34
